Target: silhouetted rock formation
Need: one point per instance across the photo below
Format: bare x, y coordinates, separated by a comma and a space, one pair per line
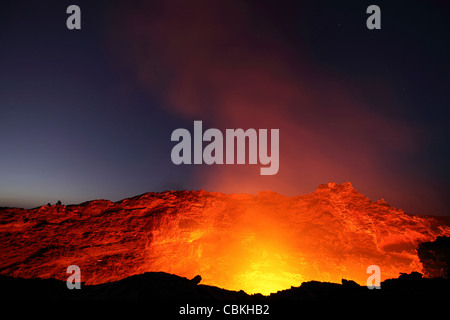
196, 279
150, 285
163, 286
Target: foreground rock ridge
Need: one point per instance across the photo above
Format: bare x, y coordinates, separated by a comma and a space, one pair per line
163, 286
258, 243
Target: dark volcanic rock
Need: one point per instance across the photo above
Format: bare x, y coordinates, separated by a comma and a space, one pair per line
150, 285
163, 286
435, 257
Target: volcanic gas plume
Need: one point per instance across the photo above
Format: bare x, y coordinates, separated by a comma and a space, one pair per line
257, 243
254, 65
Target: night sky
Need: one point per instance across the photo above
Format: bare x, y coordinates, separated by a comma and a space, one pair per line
88, 114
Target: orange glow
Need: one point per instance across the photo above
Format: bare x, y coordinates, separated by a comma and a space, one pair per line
251, 252
257, 243
276, 242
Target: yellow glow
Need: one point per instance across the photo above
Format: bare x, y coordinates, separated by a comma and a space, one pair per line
260, 249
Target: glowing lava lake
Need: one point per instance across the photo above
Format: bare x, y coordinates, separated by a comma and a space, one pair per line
257, 243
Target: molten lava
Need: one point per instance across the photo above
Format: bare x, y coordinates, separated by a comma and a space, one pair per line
259, 244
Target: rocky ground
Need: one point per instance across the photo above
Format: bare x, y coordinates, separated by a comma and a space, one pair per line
163, 286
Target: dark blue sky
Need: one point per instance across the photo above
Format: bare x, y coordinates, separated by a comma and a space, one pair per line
88, 113
68, 130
